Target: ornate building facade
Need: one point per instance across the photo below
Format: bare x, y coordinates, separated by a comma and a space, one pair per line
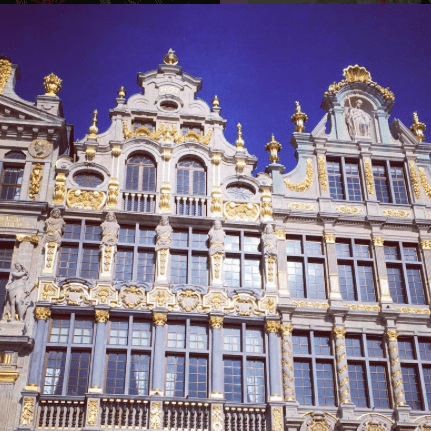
151, 281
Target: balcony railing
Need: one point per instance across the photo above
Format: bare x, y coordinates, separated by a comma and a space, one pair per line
190, 206
139, 202
186, 416
121, 413
244, 419
66, 415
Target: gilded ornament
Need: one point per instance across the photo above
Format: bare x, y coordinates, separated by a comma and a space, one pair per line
88, 200
217, 418
268, 304
329, 238
160, 297
170, 58
391, 335
424, 182
286, 330
93, 411
93, 130
299, 118
7, 376
216, 158
188, 300
357, 74
378, 241
273, 147
163, 253
35, 181
300, 206
239, 143
339, 332
90, 153
40, 148
116, 150
271, 263
306, 183
362, 307
132, 296
216, 201
5, 72
121, 93
34, 239
165, 198
167, 154
374, 426
113, 192
280, 234
346, 209
27, 414
413, 310
369, 177
215, 102
42, 313
59, 189
397, 213
266, 210
216, 322
415, 179
241, 211
52, 84
319, 423
310, 304
217, 261
426, 244
240, 165
323, 176
418, 128
272, 326
160, 319
101, 316
277, 419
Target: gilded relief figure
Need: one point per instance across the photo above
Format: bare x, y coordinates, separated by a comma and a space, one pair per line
54, 227
17, 291
358, 121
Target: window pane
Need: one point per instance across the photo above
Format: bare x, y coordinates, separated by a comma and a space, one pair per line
141, 334
347, 286
353, 182
147, 236
175, 376
342, 249
381, 183
132, 177
59, 331
405, 348
380, 386
232, 380
410, 253
254, 341
334, 179
357, 385
232, 243
303, 387
411, 386
72, 230
296, 279
313, 248
79, 373
68, 264
179, 268
148, 179
425, 350
391, 252
177, 336
127, 234
11, 184
90, 263
301, 343
198, 337
199, 240
182, 182
396, 285
232, 339
231, 272
200, 270
427, 380
124, 265
198, 371
322, 345
251, 244
6, 251
180, 239
116, 373
375, 347
366, 283
199, 183
353, 346
139, 374
362, 250
399, 185
255, 382
93, 232
83, 331
414, 278
146, 266
325, 384
252, 277
316, 281
54, 373
293, 246
118, 332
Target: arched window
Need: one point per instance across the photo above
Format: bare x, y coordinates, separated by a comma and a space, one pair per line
88, 179
190, 178
240, 192
17, 155
140, 173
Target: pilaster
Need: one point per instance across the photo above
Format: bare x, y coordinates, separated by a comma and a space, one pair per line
159, 320
382, 274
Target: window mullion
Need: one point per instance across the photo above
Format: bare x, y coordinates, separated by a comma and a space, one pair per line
406, 282
344, 179
66, 369
128, 356
357, 286
391, 186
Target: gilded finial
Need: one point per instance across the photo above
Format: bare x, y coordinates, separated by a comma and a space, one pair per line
273, 147
52, 85
170, 58
299, 118
93, 128
239, 141
121, 93
216, 102
418, 128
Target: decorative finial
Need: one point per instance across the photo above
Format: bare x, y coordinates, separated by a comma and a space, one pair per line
170, 57
239, 141
93, 128
418, 128
299, 118
273, 147
216, 102
121, 93
52, 85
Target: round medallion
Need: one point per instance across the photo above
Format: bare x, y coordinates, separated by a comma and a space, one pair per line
40, 148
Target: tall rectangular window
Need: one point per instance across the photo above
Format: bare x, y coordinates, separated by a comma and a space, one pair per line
390, 183
6, 252
344, 179
11, 182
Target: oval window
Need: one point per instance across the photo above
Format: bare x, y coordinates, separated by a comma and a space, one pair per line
88, 179
169, 106
240, 192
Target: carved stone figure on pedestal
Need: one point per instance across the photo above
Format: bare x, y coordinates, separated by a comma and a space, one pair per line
217, 252
108, 247
52, 238
269, 241
358, 121
17, 291
163, 243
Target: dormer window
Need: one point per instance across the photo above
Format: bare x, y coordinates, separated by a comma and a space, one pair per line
143, 123
169, 106
140, 173
192, 128
240, 192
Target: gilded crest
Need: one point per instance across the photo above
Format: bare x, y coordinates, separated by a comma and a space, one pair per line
132, 296
374, 426
241, 212
188, 300
87, 200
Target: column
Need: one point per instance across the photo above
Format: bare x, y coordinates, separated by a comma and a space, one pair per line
159, 320
287, 363
272, 328
217, 375
426, 254
342, 369
331, 257
42, 314
283, 288
97, 374
379, 253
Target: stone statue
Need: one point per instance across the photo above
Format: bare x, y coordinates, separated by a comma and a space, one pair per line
110, 229
163, 234
17, 291
216, 236
269, 240
54, 227
358, 121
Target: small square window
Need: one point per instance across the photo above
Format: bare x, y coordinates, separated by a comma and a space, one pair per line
375, 347
254, 341
313, 248
353, 346
251, 244
293, 246
199, 240
59, 331
147, 236
72, 230
410, 254
362, 250
198, 337
93, 232
301, 344
322, 345
342, 249
83, 331
232, 243
391, 252
141, 334
118, 333
425, 349
232, 339
127, 234
405, 348
176, 336
180, 239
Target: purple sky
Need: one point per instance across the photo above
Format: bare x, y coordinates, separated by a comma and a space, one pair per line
257, 59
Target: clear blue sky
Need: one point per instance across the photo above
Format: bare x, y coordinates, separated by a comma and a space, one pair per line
257, 59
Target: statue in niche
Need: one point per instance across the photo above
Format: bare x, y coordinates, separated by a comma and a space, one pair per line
17, 291
358, 121
54, 227
110, 229
216, 236
269, 240
163, 234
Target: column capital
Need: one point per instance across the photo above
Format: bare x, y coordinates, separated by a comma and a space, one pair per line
34, 239
378, 241
329, 238
101, 316
160, 319
42, 313
426, 244
391, 334
272, 326
339, 332
286, 329
216, 322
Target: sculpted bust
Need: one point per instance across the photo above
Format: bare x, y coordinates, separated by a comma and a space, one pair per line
163, 234
16, 292
358, 121
54, 227
110, 229
269, 240
216, 236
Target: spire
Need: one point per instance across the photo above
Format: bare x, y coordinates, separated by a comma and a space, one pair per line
93, 128
121, 93
216, 102
418, 128
299, 118
170, 57
239, 141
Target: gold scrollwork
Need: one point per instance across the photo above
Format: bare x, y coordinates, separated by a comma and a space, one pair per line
323, 176
241, 211
280, 234
59, 189
300, 206
363, 307
415, 179
378, 241
216, 322
156, 415
35, 181
188, 300
306, 304
329, 238
306, 183
93, 411
413, 310
52, 84
165, 198
426, 244
113, 192
101, 316
424, 182
369, 178
217, 420
132, 296
34, 239
89, 200
391, 335
272, 326
5, 72
42, 313
339, 332
277, 419
397, 213
347, 209
286, 329
27, 414
160, 319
